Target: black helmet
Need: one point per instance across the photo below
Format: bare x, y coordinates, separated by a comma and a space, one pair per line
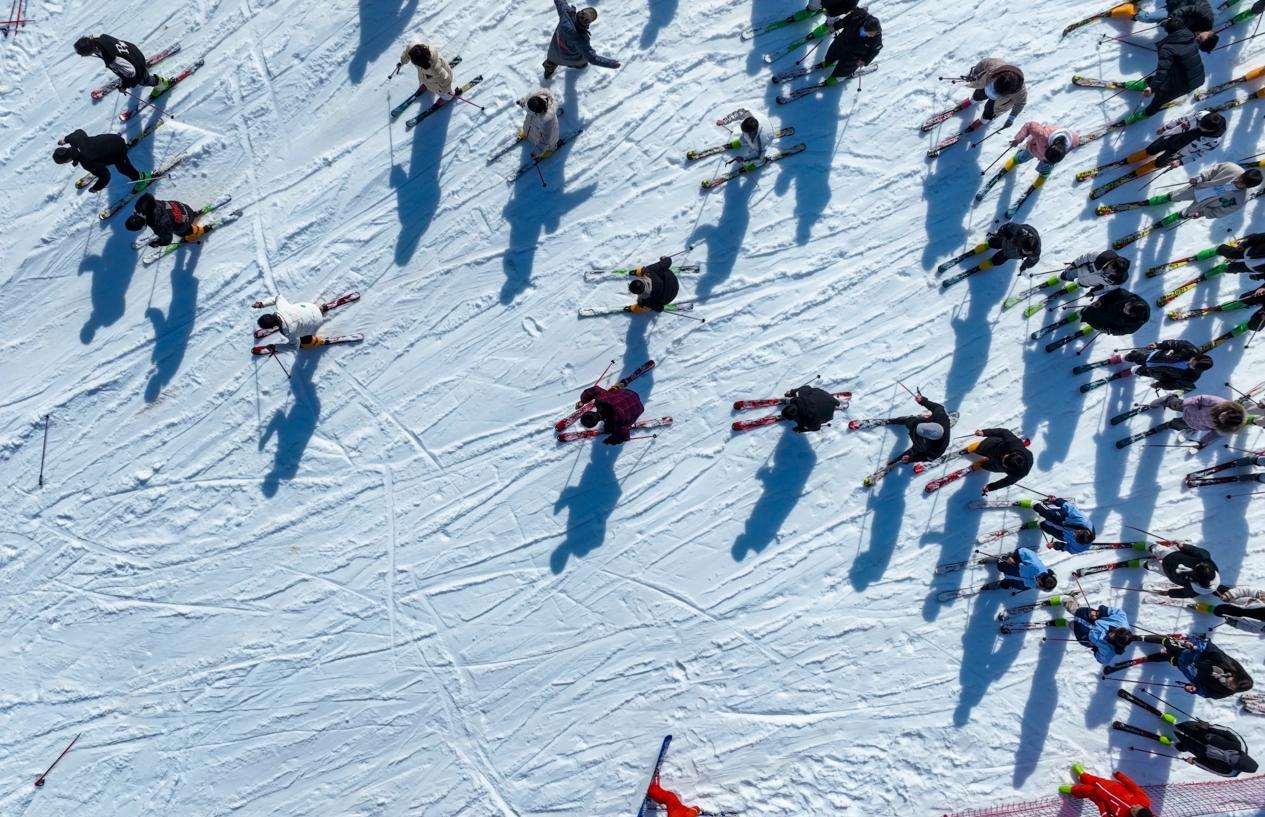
1213, 123
1252, 178
84, 46
145, 204
536, 104
1246, 764
420, 55
590, 419
135, 222
791, 411
1047, 581
636, 286
64, 155
750, 125
1056, 150
269, 321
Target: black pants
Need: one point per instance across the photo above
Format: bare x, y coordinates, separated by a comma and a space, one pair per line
125, 167
1224, 610
990, 108
1159, 101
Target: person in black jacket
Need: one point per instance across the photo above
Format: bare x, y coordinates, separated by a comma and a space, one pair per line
1216, 748
859, 39
123, 58
166, 219
809, 407
1003, 453
1189, 567
1119, 312
1179, 69
1014, 240
95, 154
1196, 15
1210, 673
928, 433
1246, 255
1175, 365
654, 285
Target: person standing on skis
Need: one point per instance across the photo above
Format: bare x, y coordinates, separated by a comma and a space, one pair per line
540, 123
655, 286
1003, 453
809, 408
123, 58
570, 44
928, 433
858, 40
433, 71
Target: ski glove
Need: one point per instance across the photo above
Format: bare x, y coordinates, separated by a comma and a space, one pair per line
1028, 263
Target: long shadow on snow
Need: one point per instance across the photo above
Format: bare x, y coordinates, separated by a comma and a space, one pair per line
985, 656
973, 335
949, 190
417, 192
661, 13
1038, 711
1051, 394
172, 330
957, 539
784, 480
294, 429
724, 238
888, 507
381, 22
113, 268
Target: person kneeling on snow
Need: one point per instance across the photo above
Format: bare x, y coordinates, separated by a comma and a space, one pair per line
167, 219
1071, 529
617, 409
809, 408
655, 286
299, 322
1023, 570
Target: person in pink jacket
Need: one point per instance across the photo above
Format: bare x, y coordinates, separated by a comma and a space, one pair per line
1048, 144
1205, 412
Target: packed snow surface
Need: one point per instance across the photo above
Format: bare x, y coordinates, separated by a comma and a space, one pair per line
380, 587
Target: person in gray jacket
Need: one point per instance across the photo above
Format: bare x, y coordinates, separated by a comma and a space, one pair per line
570, 45
1218, 191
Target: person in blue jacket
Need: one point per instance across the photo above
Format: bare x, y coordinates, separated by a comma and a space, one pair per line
570, 45
1023, 570
1071, 529
1103, 629
1210, 673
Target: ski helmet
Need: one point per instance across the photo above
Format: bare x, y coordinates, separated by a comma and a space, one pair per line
1009, 80
586, 16
636, 286
1047, 581
420, 55
590, 419
791, 411
135, 222
1056, 150
1251, 178
1212, 123
269, 321
537, 104
750, 125
64, 155
84, 46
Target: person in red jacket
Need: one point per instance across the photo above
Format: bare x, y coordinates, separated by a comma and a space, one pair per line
1120, 797
671, 800
617, 409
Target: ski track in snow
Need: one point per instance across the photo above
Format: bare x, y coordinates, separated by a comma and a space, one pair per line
381, 588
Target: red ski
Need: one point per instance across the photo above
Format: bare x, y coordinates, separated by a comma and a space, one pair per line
777, 401
590, 433
350, 297
575, 415
161, 91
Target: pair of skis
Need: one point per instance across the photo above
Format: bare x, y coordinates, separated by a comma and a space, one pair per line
99, 93
328, 306
769, 26
829, 82
1024, 294
128, 197
416, 95
844, 398
1187, 286
1202, 255
1195, 478
158, 253
562, 424
747, 167
599, 311
1059, 343
161, 90
694, 155
597, 273
1187, 314
817, 33
861, 424
953, 476
531, 165
412, 122
591, 433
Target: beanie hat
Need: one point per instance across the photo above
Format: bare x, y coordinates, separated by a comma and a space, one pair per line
929, 431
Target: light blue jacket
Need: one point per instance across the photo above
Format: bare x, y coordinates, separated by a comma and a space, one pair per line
1094, 634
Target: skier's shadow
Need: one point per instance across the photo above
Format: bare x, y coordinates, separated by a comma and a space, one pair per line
949, 191
1043, 701
985, 656
172, 331
417, 192
294, 429
381, 22
661, 13
1043, 369
589, 504
784, 480
810, 172
973, 331
724, 238
961, 527
889, 515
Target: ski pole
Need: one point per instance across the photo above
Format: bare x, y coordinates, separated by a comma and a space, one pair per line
1130, 348
1086, 345
45, 451
279, 363
1244, 493
1148, 533
986, 137
145, 103
462, 97
684, 315
817, 45
1236, 391
1169, 445
1126, 42
642, 437
604, 371
906, 388
540, 173
39, 781
391, 75
993, 162
953, 79
1189, 760
1042, 494
1166, 703
1134, 589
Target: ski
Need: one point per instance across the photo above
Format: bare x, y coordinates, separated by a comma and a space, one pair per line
751, 32
1102, 381
1018, 610
88, 178
1121, 726
590, 433
127, 199
99, 93
945, 144
1132, 662
1098, 364
945, 266
733, 116
1125, 206
831, 82
1008, 628
531, 165
1240, 462
747, 167
413, 97
1014, 209
1120, 545
598, 311
1170, 220
817, 32
1084, 175
993, 504
869, 480
1142, 435
159, 92
1103, 189
1220, 339
796, 73
993, 536
1023, 295
159, 253
1049, 301
1187, 314
992, 182
328, 306
1202, 255
1086, 21
1050, 329
654, 774
953, 476
875, 422
595, 274
1199, 482
1091, 82
273, 348
412, 122
518, 140
1247, 14
712, 151
766, 402
1182, 289
944, 116
1081, 572
963, 593
1253, 702
575, 415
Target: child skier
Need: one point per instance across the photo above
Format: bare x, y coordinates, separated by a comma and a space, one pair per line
299, 322
753, 142
617, 409
1118, 312
928, 433
540, 122
1104, 630
1218, 191
1002, 85
570, 44
1204, 412
433, 71
1175, 365
671, 801
1061, 519
1048, 144
655, 286
1120, 797
168, 219
858, 40
121, 57
1244, 608
809, 408
1189, 567
96, 154
1183, 140
1023, 570
1003, 453
1100, 273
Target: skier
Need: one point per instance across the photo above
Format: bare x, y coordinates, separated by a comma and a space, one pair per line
1099, 273
95, 154
1204, 412
168, 220
1246, 255
1048, 144
1210, 673
1071, 529
671, 801
1002, 84
298, 322
1003, 453
1118, 312
1175, 365
1218, 191
1105, 630
540, 122
433, 71
753, 142
1023, 570
1120, 797
859, 38
809, 408
1244, 608
1193, 136
570, 45
1196, 15
617, 409
123, 58
1179, 69
655, 286
928, 434
1189, 567
1216, 749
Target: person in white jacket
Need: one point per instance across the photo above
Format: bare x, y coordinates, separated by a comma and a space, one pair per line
1099, 273
753, 143
299, 322
1218, 191
433, 71
540, 123
1244, 609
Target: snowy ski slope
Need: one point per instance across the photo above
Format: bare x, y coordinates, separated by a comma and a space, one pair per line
381, 588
